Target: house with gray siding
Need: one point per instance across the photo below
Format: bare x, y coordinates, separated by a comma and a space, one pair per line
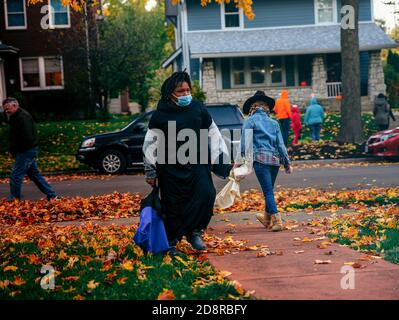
291, 44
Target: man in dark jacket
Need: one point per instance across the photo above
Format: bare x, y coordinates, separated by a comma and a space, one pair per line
23, 148
382, 112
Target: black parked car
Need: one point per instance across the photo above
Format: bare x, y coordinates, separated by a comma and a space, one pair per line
114, 152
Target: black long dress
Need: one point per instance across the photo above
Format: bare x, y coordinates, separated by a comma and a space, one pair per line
187, 191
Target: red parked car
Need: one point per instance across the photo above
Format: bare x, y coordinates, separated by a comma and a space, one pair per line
384, 143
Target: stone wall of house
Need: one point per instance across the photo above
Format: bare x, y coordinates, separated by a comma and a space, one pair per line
209, 81
297, 95
319, 77
376, 82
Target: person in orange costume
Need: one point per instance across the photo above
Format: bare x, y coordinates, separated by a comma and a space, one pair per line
283, 114
296, 123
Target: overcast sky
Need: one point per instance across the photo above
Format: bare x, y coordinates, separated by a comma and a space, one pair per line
385, 12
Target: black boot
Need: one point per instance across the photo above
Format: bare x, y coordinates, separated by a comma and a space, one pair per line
172, 249
196, 241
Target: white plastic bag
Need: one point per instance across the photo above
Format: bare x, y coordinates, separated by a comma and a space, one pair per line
242, 171
225, 198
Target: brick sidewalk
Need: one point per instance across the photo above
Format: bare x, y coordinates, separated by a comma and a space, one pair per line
295, 276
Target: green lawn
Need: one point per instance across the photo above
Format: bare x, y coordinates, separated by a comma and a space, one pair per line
331, 126
373, 233
380, 200
59, 142
63, 138
102, 263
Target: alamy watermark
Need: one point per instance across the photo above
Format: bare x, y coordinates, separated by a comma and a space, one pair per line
348, 17
208, 146
48, 281
348, 280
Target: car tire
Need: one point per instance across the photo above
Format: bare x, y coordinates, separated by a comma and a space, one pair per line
112, 162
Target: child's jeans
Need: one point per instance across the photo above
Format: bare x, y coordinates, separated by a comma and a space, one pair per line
267, 175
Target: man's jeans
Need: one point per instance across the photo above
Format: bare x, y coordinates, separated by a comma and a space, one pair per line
285, 125
25, 164
315, 131
267, 177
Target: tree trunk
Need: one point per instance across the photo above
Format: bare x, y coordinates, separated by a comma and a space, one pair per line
106, 101
91, 106
351, 130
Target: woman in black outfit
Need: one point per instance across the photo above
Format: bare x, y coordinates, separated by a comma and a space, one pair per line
187, 190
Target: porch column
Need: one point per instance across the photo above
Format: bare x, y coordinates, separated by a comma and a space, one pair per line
376, 82
209, 81
319, 77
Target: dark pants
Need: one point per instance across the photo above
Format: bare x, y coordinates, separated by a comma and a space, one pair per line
315, 131
383, 127
267, 177
25, 164
285, 125
187, 198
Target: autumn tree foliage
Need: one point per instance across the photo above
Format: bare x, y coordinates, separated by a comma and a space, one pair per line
245, 5
74, 4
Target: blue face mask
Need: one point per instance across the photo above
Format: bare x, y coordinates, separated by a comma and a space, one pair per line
184, 101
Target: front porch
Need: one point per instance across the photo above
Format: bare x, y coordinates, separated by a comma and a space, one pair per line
233, 80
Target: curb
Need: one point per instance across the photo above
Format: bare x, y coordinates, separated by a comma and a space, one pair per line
137, 170
79, 172
343, 160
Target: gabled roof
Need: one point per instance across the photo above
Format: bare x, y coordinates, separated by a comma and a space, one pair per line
282, 41
171, 58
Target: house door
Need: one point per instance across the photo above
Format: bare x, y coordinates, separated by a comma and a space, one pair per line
2, 83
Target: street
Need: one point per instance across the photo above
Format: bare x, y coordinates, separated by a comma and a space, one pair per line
325, 178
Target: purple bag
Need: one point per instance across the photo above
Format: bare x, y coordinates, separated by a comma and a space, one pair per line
151, 234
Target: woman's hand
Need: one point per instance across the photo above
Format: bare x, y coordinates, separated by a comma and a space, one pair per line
237, 178
151, 182
289, 169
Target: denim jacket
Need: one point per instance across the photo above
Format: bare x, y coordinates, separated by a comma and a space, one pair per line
267, 145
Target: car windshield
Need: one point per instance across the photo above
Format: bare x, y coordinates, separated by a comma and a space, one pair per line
144, 120
225, 115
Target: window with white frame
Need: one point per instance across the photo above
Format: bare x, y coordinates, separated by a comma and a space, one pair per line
59, 15
232, 17
15, 14
41, 73
257, 71
326, 11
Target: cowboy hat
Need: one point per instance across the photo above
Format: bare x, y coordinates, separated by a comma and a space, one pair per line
258, 96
